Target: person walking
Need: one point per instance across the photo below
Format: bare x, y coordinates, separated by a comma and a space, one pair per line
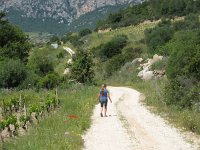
103, 99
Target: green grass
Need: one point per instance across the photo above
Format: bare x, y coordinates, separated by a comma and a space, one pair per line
49, 134
134, 33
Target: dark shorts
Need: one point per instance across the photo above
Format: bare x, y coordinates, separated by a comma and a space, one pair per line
104, 103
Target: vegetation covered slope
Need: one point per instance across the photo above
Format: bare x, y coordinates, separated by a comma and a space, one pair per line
149, 10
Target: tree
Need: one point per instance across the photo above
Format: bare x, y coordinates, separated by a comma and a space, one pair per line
12, 74
13, 42
82, 68
41, 63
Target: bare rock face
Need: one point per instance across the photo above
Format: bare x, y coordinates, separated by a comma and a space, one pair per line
57, 9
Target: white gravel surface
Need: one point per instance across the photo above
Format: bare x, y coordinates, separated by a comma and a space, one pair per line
69, 50
130, 126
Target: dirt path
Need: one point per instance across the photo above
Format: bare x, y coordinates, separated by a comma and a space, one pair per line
69, 50
130, 126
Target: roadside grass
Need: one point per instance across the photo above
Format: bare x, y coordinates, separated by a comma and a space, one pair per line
58, 131
185, 119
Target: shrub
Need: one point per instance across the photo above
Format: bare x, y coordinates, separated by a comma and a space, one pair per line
55, 39
82, 67
114, 64
183, 70
160, 65
158, 36
190, 22
14, 43
40, 63
50, 81
61, 55
31, 80
12, 73
131, 53
111, 48
84, 32
66, 37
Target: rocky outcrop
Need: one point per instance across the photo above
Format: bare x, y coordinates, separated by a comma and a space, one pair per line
146, 73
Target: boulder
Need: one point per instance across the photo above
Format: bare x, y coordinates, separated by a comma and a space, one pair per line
67, 71
148, 75
69, 61
140, 74
140, 60
54, 45
156, 58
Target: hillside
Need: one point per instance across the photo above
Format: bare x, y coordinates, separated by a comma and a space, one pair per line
56, 16
48, 91
149, 10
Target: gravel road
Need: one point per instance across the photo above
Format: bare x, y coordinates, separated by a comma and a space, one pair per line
131, 126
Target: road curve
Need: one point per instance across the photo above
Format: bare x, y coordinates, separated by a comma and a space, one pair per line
130, 126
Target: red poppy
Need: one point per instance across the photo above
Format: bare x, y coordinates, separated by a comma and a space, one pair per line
73, 117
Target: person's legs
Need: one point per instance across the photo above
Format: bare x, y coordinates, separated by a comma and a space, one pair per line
105, 108
101, 110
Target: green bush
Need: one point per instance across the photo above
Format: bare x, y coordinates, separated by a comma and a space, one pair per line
50, 81
114, 64
61, 55
31, 81
160, 65
66, 37
130, 53
12, 73
14, 43
183, 70
190, 22
111, 48
82, 67
157, 37
55, 39
40, 63
84, 32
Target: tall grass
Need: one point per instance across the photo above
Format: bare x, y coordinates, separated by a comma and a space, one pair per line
58, 131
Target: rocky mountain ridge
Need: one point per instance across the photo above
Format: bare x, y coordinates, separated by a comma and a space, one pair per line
62, 10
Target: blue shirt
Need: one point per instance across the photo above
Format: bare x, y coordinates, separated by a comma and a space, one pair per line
103, 97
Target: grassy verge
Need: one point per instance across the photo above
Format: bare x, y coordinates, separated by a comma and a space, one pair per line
58, 131
185, 119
